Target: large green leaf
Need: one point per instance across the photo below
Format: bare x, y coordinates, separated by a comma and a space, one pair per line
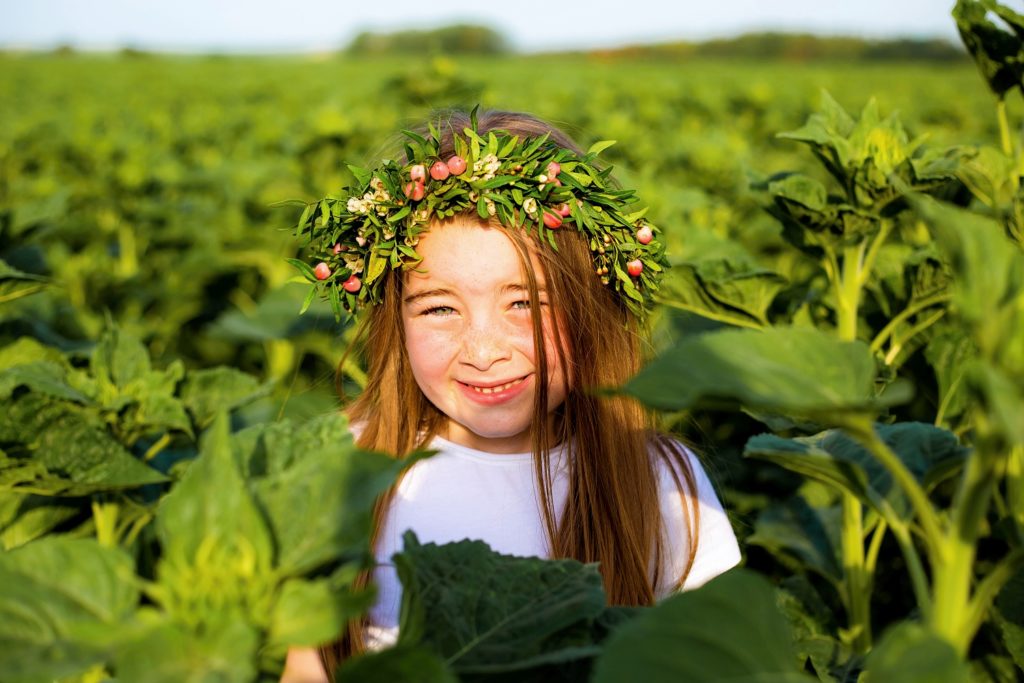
996, 52
910, 654
44, 377
730, 629
988, 288
308, 613
57, 597
69, 444
167, 652
1009, 610
834, 458
204, 392
721, 291
316, 489
25, 517
793, 371
489, 613
401, 664
217, 549
797, 529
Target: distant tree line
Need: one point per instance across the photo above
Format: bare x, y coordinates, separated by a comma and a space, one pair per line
800, 47
464, 39
480, 40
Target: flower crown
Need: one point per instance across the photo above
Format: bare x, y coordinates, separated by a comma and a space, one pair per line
529, 183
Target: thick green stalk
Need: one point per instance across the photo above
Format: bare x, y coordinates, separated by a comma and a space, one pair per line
863, 431
857, 578
848, 292
1004, 128
951, 588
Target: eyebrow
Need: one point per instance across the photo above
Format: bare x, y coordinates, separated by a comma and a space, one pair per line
441, 291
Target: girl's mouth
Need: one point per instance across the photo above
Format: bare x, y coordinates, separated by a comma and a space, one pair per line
496, 393
496, 389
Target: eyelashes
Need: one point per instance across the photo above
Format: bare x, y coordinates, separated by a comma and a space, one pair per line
447, 311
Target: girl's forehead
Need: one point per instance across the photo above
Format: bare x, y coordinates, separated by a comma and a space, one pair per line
468, 254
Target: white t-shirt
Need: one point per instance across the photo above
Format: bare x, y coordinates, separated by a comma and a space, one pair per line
462, 493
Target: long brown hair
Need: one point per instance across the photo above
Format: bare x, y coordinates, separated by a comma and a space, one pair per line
611, 515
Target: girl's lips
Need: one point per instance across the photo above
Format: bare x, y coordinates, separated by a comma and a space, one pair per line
495, 393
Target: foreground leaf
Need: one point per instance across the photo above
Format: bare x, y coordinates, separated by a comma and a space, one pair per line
401, 664
54, 592
836, 459
793, 371
910, 654
489, 613
728, 630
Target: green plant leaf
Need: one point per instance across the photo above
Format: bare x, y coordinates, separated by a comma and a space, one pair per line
53, 592
72, 446
730, 629
44, 377
910, 654
808, 533
489, 613
401, 664
308, 613
204, 392
170, 653
315, 488
1009, 606
793, 371
835, 459
209, 523
996, 52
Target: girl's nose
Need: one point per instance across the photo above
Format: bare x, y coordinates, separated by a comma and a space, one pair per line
482, 347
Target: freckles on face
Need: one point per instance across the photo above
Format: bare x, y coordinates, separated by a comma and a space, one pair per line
469, 336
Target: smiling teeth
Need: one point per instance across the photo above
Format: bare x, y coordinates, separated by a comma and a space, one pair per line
492, 390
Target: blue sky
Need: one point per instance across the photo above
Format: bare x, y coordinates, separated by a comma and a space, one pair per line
305, 25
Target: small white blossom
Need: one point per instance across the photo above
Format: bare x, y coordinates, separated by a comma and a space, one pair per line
474, 196
491, 208
530, 206
354, 263
377, 184
356, 205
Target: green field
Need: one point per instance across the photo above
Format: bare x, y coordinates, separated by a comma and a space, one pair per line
144, 232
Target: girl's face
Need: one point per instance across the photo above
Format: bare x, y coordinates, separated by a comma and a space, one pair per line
469, 336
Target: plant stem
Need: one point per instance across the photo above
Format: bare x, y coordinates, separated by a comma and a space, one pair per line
911, 309
952, 586
858, 582
1004, 127
918, 577
897, 345
988, 588
848, 291
157, 446
863, 431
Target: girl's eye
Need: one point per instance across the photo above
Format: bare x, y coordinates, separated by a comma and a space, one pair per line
439, 311
525, 305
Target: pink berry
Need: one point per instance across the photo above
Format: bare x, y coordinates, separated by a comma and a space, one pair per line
322, 271
415, 190
644, 235
457, 165
556, 182
418, 173
552, 220
439, 171
635, 267
553, 169
563, 210
352, 284
337, 248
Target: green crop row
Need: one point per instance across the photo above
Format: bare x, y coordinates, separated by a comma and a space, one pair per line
177, 503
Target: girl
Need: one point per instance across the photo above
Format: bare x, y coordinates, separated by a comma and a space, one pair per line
505, 279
